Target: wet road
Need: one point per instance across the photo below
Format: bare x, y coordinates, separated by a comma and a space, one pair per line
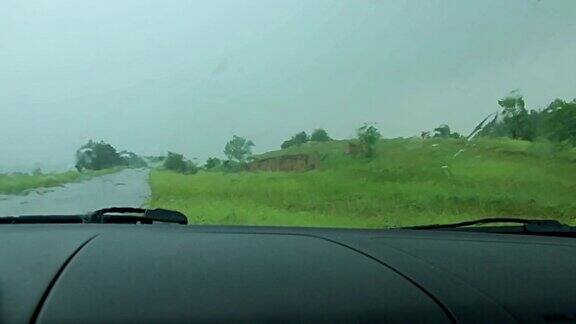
126, 188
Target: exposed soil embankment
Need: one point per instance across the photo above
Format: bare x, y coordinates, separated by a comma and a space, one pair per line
297, 162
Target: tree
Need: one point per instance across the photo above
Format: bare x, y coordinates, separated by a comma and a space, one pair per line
132, 159
520, 125
212, 163
559, 121
368, 136
176, 162
297, 139
286, 144
238, 148
442, 131
320, 135
300, 138
513, 103
97, 156
517, 122
513, 121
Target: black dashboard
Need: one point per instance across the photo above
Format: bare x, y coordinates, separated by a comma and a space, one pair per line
85, 273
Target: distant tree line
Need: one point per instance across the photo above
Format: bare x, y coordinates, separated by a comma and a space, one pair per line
556, 122
318, 135
238, 152
101, 155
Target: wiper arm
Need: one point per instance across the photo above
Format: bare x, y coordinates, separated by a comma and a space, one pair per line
135, 215
536, 226
116, 215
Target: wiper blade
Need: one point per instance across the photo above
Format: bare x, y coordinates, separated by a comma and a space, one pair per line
115, 215
42, 219
541, 226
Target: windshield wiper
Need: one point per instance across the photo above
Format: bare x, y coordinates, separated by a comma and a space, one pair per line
114, 215
533, 226
138, 215
42, 219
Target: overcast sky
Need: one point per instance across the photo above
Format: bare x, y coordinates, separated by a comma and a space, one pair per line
151, 76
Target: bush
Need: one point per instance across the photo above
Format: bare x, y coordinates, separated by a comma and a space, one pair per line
286, 144
300, 138
368, 136
234, 166
425, 135
212, 163
97, 156
176, 162
297, 139
320, 135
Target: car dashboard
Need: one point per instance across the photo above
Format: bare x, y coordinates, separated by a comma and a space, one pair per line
119, 273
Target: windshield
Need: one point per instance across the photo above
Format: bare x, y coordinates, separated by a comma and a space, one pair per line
361, 114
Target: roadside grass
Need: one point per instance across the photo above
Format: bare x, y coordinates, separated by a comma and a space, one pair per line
410, 182
20, 183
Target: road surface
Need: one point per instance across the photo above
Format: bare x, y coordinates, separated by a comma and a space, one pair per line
127, 188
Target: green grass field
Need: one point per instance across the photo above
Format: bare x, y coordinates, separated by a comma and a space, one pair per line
410, 182
17, 183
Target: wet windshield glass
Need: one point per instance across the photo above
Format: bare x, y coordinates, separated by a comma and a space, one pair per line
344, 113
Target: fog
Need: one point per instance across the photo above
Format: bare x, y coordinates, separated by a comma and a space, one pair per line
152, 76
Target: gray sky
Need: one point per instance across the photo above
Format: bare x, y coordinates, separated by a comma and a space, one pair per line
152, 76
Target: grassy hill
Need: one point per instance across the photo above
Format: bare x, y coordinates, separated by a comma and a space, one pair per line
410, 182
